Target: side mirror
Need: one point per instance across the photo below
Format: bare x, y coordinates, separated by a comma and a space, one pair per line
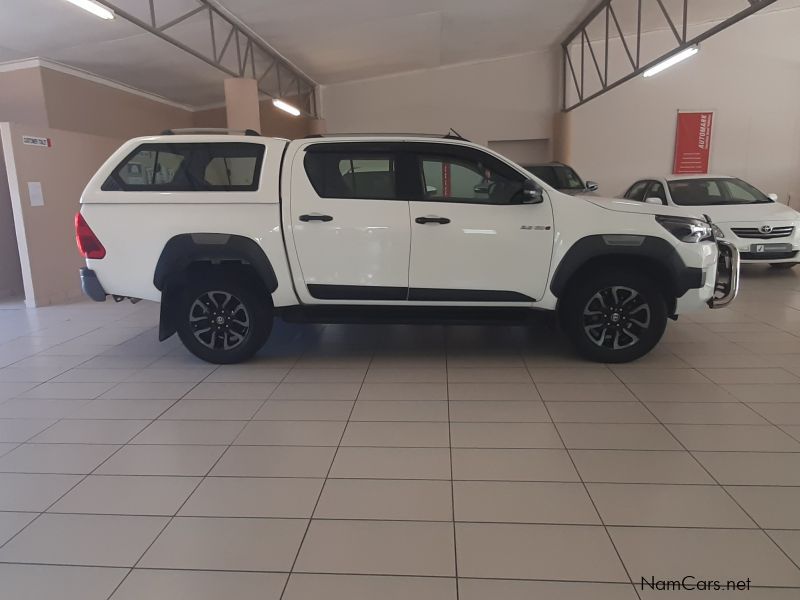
532, 193
592, 186
658, 201
773, 197
430, 190
481, 188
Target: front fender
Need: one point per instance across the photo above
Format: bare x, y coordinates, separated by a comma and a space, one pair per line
654, 250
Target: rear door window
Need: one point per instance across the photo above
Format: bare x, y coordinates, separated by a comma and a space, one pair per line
189, 167
353, 175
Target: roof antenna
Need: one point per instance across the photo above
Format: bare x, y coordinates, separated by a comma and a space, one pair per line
452, 133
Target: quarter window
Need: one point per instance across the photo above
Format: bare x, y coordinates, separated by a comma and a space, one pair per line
233, 171
150, 167
189, 167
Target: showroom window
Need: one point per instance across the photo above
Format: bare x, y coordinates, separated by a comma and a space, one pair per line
338, 175
456, 179
195, 167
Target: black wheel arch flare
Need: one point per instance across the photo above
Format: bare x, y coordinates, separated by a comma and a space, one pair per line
186, 249
628, 249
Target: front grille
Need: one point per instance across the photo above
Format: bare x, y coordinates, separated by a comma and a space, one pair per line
766, 257
756, 233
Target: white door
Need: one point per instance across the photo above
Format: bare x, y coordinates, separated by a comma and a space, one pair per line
350, 230
471, 238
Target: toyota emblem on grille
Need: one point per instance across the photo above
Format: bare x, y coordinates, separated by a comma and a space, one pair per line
765, 229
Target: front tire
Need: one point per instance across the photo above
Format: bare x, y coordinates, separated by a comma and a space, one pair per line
221, 319
783, 266
615, 315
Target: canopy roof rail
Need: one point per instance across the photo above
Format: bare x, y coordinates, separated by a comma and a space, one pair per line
192, 130
450, 135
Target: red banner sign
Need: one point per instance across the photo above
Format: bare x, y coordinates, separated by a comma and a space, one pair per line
693, 142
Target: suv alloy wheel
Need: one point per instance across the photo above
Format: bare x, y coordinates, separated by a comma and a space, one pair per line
221, 319
614, 316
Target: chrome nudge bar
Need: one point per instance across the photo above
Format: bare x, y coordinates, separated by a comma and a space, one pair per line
727, 276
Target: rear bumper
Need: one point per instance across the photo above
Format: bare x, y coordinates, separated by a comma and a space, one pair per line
91, 285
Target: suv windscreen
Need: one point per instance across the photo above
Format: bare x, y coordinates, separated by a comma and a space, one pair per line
714, 191
189, 167
560, 177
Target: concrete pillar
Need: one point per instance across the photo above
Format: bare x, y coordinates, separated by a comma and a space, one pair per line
562, 137
317, 127
242, 104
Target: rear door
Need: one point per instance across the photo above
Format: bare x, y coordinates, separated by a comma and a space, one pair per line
350, 223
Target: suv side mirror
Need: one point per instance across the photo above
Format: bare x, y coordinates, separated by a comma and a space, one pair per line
773, 197
653, 200
532, 193
592, 186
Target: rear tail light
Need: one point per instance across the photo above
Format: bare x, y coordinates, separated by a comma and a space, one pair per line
88, 243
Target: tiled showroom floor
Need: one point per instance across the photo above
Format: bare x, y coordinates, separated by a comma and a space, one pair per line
428, 463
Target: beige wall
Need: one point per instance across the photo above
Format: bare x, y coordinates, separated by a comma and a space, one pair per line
22, 96
75, 104
507, 99
749, 75
10, 274
274, 122
49, 237
50, 98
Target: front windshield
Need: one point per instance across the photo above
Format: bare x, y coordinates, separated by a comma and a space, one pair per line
711, 191
560, 177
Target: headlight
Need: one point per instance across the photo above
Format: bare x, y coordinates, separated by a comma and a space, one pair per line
718, 234
686, 229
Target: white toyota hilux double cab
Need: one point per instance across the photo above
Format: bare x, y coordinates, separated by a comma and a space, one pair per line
229, 231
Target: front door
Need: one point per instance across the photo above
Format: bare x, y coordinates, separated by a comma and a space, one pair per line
351, 227
471, 238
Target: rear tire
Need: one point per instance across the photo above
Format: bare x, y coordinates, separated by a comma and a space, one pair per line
615, 315
221, 319
783, 266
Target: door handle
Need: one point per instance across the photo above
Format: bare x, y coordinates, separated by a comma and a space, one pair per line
323, 218
437, 220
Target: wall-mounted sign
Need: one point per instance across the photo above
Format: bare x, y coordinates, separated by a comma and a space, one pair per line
35, 193
693, 142
30, 140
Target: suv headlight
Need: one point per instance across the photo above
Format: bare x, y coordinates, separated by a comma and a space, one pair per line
718, 233
686, 229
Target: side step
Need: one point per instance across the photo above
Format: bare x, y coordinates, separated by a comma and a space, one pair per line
412, 315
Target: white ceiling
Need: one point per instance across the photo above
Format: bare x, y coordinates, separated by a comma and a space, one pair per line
330, 40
